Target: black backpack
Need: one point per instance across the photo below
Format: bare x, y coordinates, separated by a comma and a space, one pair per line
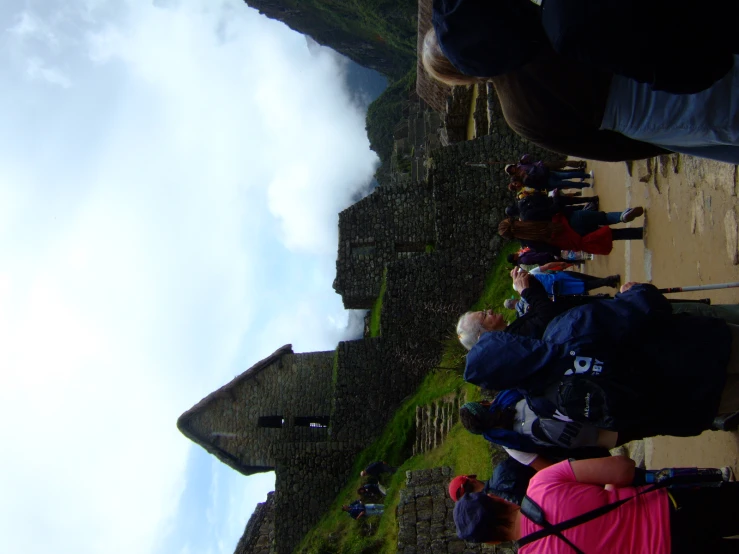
609, 394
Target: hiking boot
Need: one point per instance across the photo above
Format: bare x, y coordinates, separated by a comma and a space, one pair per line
727, 474
726, 422
614, 281
591, 206
631, 214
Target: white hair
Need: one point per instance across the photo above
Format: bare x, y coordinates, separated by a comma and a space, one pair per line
510, 304
469, 330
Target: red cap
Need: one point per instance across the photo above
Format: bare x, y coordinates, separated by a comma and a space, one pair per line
455, 487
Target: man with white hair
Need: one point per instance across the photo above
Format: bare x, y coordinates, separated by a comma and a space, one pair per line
532, 324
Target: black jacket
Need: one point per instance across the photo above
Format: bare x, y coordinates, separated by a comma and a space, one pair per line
541, 311
538, 207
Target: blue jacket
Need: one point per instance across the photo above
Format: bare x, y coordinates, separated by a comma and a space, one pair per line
676, 364
560, 283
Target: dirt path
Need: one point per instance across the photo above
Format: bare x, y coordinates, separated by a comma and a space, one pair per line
691, 239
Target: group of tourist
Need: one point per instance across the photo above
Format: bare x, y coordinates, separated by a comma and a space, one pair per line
548, 265
529, 176
610, 81
372, 492
547, 225
580, 376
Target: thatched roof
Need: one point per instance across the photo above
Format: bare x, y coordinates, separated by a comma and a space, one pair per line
432, 91
183, 422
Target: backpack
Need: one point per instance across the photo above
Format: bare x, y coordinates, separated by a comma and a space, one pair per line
604, 393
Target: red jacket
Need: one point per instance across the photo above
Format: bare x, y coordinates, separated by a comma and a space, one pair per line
597, 242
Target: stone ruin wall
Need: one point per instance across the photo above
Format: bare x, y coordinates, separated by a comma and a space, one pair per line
390, 224
308, 478
426, 293
426, 517
368, 388
259, 536
456, 213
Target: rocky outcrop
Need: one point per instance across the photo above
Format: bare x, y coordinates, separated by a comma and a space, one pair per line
387, 48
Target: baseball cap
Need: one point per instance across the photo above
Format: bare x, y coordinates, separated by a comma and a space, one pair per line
455, 487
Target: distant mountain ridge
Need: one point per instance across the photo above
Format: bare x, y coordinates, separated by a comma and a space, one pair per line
364, 85
376, 34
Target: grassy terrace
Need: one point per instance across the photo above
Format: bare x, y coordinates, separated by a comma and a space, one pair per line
467, 453
376, 310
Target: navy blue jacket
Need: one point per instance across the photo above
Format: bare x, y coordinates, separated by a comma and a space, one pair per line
676, 363
682, 51
510, 480
676, 50
469, 30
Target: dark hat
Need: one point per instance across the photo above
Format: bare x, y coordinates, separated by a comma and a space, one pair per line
471, 515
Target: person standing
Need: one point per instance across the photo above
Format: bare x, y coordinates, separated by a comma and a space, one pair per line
375, 469
509, 481
674, 520
358, 509
585, 231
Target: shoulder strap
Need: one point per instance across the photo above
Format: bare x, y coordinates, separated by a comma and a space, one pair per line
535, 513
557, 529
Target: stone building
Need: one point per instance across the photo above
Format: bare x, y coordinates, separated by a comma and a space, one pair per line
297, 415
307, 415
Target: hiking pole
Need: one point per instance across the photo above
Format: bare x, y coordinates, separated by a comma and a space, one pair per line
700, 287
689, 300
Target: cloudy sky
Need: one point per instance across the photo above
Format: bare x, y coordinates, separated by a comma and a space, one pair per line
170, 177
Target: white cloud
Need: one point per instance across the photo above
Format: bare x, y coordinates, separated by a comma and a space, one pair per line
36, 69
28, 26
167, 218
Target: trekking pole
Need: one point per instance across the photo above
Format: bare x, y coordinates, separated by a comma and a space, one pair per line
689, 300
700, 287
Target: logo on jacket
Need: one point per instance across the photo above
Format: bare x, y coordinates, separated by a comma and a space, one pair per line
584, 364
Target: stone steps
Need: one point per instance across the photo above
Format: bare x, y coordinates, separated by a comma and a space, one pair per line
434, 421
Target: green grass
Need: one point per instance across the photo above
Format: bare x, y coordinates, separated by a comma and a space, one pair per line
336, 532
498, 284
497, 288
465, 452
376, 310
